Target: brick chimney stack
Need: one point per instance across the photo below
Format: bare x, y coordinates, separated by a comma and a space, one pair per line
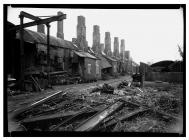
41, 28
122, 49
96, 39
81, 33
107, 41
101, 48
116, 47
60, 32
127, 55
81, 28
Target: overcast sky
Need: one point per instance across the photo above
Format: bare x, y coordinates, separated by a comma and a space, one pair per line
150, 35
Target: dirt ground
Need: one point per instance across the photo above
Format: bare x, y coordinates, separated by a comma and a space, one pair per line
159, 107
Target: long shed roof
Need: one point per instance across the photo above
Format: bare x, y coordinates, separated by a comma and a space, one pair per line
110, 58
104, 62
84, 54
36, 37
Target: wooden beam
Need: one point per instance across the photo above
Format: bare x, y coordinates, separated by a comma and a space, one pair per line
152, 109
30, 16
25, 108
36, 84
97, 118
126, 116
40, 21
73, 118
48, 117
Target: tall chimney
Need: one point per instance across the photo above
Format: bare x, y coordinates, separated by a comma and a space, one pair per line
101, 48
81, 33
96, 39
41, 28
127, 55
122, 49
107, 41
81, 28
60, 33
116, 47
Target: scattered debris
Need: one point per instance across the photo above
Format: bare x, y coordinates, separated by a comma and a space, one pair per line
122, 84
94, 120
139, 89
25, 108
104, 108
119, 92
106, 88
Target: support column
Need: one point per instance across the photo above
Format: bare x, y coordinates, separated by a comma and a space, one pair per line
22, 62
48, 54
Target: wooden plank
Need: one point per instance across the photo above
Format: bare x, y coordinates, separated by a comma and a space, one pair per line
36, 83
30, 16
155, 111
48, 117
25, 108
97, 118
126, 116
72, 119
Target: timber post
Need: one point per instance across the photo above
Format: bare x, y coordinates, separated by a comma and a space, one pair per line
22, 62
48, 55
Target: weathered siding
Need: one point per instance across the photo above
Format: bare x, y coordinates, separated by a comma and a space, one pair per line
98, 69
60, 57
90, 69
114, 67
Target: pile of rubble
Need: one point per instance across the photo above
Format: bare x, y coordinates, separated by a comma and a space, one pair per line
124, 108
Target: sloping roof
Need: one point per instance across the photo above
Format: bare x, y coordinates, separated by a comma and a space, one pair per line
36, 37
84, 54
134, 63
104, 62
110, 58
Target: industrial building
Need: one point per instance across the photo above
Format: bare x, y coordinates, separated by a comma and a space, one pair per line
74, 57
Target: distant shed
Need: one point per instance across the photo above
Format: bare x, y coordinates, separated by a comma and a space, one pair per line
87, 65
113, 63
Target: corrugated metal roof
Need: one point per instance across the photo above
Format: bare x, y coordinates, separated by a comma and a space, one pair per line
104, 62
36, 37
84, 54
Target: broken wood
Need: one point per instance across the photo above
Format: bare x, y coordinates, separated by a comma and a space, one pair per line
126, 116
30, 106
72, 119
155, 111
139, 89
97, 118
48, 117
36, 83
